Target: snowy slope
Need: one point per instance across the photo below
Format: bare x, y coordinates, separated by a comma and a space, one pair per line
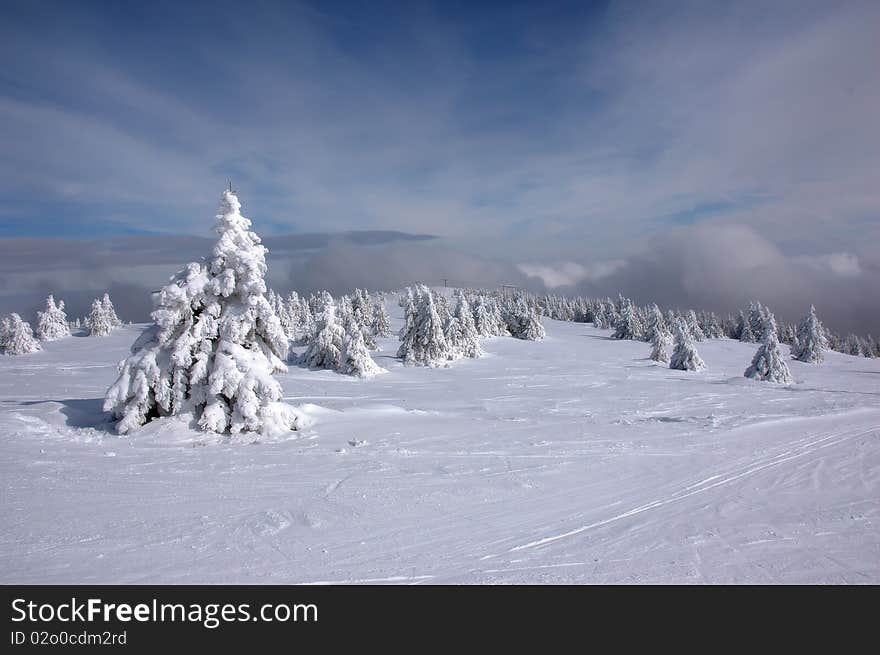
574, 459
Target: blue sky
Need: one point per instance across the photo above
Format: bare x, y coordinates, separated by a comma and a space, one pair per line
541, 134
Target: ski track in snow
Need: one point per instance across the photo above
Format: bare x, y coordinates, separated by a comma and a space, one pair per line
573, 460
702, 486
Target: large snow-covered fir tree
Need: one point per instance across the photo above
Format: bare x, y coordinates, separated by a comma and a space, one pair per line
685, 356
16, 336
215, 344
769, 363
52, 322
810, 341
423, 342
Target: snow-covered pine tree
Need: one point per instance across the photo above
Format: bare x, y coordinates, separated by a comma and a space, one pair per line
809, 342
600, 319
483, 321
381, 322
685, 356
326, 345
215, 344
661, 340
746, 335
306, 321
99, 322
757, 317
110, 311
499, 324
522, 321
52, 323
355, 358
711, 325
693, 326
460, 331
423, 342
656, 323
769, 363
361, 309
16, 336
628, 325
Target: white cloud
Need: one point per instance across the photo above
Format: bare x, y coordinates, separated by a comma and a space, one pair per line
570, 273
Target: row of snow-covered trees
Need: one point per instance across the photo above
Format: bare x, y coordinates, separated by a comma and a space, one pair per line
18, 338
747, 325
682, 330
436, 331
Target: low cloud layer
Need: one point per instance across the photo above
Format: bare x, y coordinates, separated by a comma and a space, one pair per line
719, 267
722, 267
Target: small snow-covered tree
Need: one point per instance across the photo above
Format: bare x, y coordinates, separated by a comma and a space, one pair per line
100, 323
215, 344
522, 321
484, 322
685, 356
326, 345
660, 343
693, 326
423, 342
656, 323
628, 325
52, 323
810, 341
460, 331
381, 322
355, 358
769, 363
746, 335
110, 311
16, 336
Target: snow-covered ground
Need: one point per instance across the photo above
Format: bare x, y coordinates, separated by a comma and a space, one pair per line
571, 460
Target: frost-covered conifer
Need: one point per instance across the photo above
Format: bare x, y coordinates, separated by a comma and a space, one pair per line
381, 322
628, 325
16, 336
99, 322
757, 318
460, 331
685, 356
110, 311
660, 343
769, 363
499, 324
693, 326
355, 357
52, 323
484, 322
809, 342
746, 335
423, 342
656, 323
326, 345
522, 321
214, 346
